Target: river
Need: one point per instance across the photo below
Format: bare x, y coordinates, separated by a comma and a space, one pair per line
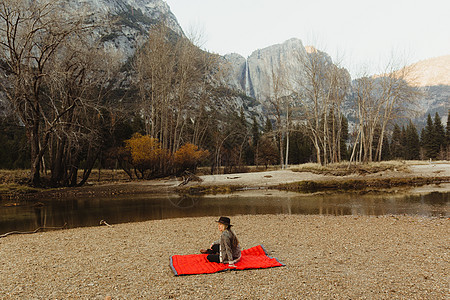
78, 212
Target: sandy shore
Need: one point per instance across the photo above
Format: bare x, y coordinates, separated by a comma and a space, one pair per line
326, 257
249, 180
263, 179
272, 178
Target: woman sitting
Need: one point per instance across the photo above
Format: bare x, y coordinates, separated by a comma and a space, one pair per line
227, 248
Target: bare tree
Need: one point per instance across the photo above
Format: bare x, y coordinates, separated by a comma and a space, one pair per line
396, 98
191, 87
321, 89
31, 35
379, 100
367, 116
155, 64
204, 110
79, 82
311, 92
172, 78
280, 103
338, 90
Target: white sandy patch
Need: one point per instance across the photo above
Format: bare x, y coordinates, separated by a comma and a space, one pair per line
259, 178
431, 169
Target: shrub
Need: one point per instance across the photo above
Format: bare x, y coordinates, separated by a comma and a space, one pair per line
188, 157
146, 154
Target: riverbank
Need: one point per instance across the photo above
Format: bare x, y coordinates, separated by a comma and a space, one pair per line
406, 170
387, 175
325, 256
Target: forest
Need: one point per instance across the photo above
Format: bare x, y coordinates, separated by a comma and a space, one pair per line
67, 105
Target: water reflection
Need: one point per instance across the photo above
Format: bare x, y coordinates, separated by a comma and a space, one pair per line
89, 212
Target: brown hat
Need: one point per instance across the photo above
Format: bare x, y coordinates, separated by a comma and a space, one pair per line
225, 221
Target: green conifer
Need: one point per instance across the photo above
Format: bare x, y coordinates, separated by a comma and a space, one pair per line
447, 140
439, 134
412, 145
396, 143
428, 139
268, 127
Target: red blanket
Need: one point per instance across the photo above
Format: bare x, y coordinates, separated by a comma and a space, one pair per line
252, 258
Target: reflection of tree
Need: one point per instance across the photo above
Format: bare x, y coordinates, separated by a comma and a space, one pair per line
40, 211
335, 207
184, 201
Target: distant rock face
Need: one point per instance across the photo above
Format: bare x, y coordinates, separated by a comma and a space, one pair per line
234, 67
254, 76
132, 18
432, 76
430, 72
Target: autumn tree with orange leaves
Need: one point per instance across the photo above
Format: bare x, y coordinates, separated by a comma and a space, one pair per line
188, 157
150, 160
147, 155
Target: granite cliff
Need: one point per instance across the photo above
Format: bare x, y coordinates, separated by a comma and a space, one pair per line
132, 20
253, 76
432, 77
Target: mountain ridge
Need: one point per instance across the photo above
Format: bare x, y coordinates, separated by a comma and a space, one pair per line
433, 71
249, 76
431, 76
253, 75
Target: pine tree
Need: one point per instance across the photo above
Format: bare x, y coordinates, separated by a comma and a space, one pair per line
439, 134
412, 146
447, 136
344, 137
255, 141
14, 148
255, 131
242, 118
404, 142
386, 151
428, 140
396, 143
301, 149
447, 140
268, 127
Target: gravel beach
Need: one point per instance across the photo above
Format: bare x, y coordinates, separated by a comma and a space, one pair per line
326, 257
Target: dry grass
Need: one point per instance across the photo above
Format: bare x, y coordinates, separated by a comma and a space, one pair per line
21, 177
345, 168
97, 176
11, 190
360, 185
244, 169
14, 176
107, 176
208, 189
14, 183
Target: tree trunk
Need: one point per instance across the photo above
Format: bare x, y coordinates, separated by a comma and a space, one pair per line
35, 178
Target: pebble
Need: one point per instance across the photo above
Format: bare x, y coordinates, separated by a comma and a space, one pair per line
326, 257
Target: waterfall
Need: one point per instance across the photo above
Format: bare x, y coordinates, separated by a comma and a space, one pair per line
247, 78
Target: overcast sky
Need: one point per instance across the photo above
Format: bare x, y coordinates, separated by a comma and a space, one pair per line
363, 34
